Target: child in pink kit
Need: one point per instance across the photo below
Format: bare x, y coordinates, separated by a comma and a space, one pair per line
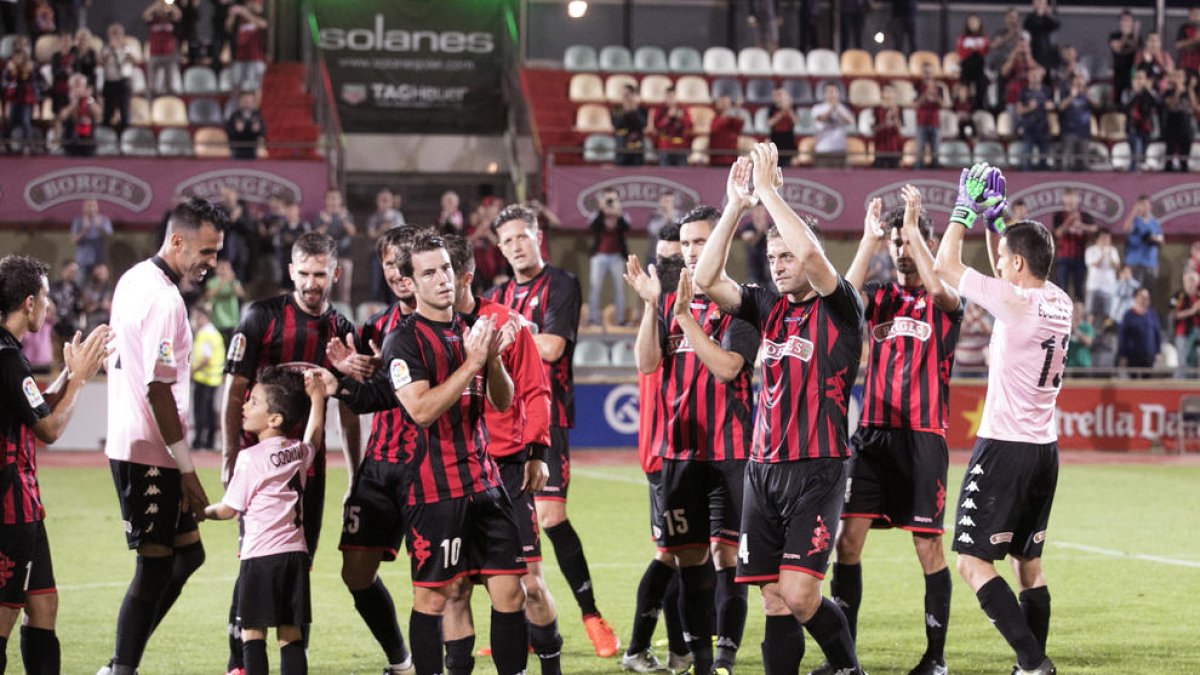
267, 490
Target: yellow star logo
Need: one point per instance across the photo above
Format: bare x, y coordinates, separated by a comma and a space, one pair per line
974, 417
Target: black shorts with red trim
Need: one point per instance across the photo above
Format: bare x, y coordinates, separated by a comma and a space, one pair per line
25, 565
273, 590
654, 479
789, 518
149, 497
558, 459
467, 536
1005, 499
512, 471
373, 517
898, 479
702, 501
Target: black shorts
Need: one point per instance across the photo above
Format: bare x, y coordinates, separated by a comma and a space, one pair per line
314, 503
898, 479
559, 462
789, 518
149, 497
274, 591
512, 471
702, 502
656, 507
25, 565
468, 536
373, 516
1005, 499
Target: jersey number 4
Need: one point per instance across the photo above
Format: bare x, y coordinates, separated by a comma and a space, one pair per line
1048, 345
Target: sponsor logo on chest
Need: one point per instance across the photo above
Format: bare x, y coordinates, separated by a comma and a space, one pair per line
795, 346
902, 326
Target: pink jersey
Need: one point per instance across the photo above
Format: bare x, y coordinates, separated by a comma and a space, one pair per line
1028, 356
153, 343
268, 489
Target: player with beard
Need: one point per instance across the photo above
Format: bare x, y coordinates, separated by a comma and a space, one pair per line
796, 477
292, 329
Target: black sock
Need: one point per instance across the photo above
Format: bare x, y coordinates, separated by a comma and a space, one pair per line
1000, 605
305, 634
937, 612
846, 589
184, 563
782, 646
829, 629
136, 618
1035, 605
40, 651
673, 616
731, 616
425, 636
650, 593
573, 563
460, 657
696, 584
375, 606
510, 642
293, 660
547, 644
3, 654
254, 655
236, 654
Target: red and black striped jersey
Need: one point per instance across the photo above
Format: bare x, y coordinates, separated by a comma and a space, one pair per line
649, 393
527, 420
911, 352
701, 418
23, 407
550, 302
809, 360
392, 436
448, 459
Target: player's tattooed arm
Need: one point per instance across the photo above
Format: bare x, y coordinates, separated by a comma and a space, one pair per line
944, 296
710, 275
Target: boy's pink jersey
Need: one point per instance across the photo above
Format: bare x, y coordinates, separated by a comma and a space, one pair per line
268, 489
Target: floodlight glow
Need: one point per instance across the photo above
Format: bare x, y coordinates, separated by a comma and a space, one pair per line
577, 8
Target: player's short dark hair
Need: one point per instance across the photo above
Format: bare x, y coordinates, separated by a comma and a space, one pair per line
424, 242
515, 212
284, 391
462, 256
668, 269
669, 232
20, 277
894, 220
1033, 242
194, 212
701, 212
315, 243
773, 231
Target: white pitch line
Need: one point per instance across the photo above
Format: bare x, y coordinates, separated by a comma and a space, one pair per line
1134, 556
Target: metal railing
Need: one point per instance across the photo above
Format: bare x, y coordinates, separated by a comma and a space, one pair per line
321, 87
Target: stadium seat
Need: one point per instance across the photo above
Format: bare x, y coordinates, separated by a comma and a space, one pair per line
954, 154
761, 127
599, 148
1194, 158
991, 152
585, 88
654, 88
747, 119
1100, 95
1004, 125
576, 58
908, 156
1112, 126
139, 111
857, 152
908, 122
891, 63
720, 61
593, 118
1121, 156
920, 59
754, 61
1097, 159
225, 81
906, 93
691, 89
650, 60
200, 80
138, 142
174, 142
702, 117
801, 91
614, 86
169, 111
108, 145
6, 46
212, 143
136, 45
726, 86
804, 151
616, 59
789, 63
804, 122
866, 122
231, 106
1156, 157
137, 82
46, 46
1015, 149
591, 354
204, 112
823, 63
985, 124
759, 91
699, 153
857, 63
864, 93
948, 124
685, 60
951, 64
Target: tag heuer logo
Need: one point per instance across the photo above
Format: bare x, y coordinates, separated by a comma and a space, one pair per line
354, 94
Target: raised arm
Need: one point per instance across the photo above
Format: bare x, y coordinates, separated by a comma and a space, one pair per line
425, 404
645, 283
314, 432
944, 296
873, 236
723, 364
711, 277
83, 362
231, 427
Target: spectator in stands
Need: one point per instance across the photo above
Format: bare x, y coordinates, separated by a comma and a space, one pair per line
41, 19
673, 124
831, 118
1032, 106
854, 15
8, 17
1068, 67
245, 127
1140, 336
1001, 47
86, 61
1193, 261
386, 216
1141, 106
249, 28
629, 122
1187, 41
65, 293
1018, 211
1041, 25
1127, 287
118, 60
1072, 227
1124, 44
1154, 62
972, 49
291, 229
963, 108
1179, 106
723, 135
162, 66
335, 220
185, 30
608, 254
238, 234
1015, 73
90, 232
37, 346
1083, 334
931, 98
450, 220
208, 365
1185, 319
1103, 261
974, 336
754, 233
764, 20
665, 215
62, 66
96, 297
224, 294
490, 265
219, 29
889, 143
69, 15
1143, 241
781, 122
1075, 124
22, 92
904, 25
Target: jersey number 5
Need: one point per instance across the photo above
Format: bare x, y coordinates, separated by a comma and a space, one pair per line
1048, 345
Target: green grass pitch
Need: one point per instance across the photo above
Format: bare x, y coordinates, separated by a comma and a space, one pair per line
1113, 611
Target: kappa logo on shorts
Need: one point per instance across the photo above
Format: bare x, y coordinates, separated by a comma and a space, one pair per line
968, 504
152, 510
152, 491
398, 369
977, 470
820, 538
1039, 537
966, 521
153, 472
965, 538
420, 548
972, 487
237, 348
1001, 538
6, 569
33, 395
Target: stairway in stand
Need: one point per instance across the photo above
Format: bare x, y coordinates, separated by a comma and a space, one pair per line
287, 110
